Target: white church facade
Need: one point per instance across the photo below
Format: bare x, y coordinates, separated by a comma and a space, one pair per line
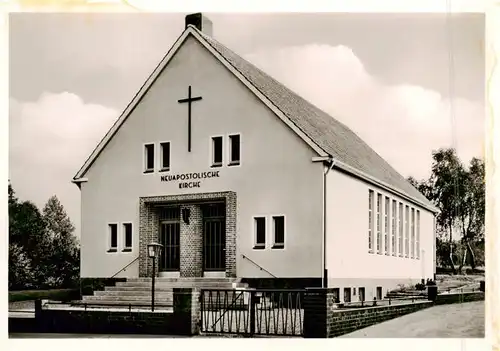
237, 176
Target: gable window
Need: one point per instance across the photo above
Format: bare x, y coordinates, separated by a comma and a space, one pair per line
370, 221
234, 150
407, 231
386, 225
279, 232
418, 235
400, 231
216, 151
149, 158
165, 156
113, 237
127, 230
393, 233
260, 232
379, 223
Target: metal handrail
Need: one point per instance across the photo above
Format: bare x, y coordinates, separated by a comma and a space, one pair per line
259, 266
114, 275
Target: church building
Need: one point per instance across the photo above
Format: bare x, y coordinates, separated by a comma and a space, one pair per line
239, 177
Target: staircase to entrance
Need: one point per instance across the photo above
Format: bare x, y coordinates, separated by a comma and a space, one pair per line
137, 291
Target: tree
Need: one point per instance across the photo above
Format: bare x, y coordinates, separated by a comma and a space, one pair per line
20, 271
64, 259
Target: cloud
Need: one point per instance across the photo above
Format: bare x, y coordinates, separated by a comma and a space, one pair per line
403, 123
49, 140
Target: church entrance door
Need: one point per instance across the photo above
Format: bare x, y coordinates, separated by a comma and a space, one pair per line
169, 259
214, 237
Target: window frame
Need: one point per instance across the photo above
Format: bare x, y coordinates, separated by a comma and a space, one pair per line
214, 164
160, 161
124, 232
379, 224
256, 245
412, 237
232, 163
401, 248
109, 237
278, 246
417, 243
371, 228
145, 168
407, 231
387, 209
394, 212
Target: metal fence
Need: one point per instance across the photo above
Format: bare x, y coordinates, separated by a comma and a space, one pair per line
252, 312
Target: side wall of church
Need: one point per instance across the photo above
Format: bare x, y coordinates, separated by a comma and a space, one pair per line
349, 262
275, 177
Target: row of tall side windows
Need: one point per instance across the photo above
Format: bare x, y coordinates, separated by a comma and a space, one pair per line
217, 154
393, 227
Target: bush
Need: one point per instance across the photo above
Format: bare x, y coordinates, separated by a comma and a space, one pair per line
419, 286
55, 294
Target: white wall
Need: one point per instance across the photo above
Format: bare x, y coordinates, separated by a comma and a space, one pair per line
348, 258
276, 175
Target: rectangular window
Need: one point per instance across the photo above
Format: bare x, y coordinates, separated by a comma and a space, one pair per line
407, 231
347, 294
336, 293
379, 224
393, 233
412, 243
127, 230
234, 151
361, 294
418, 235
217, 151
113, 237
165, 156
149, 158
386, 225
279, 232
400, 230
260, 232
370, 221
379, 293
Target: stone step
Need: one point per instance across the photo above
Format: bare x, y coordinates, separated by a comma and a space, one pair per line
201, 285
127, 298
123, 303
192, 279
133, 293
140, 289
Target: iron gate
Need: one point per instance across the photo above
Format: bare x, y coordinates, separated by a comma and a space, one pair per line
251, 312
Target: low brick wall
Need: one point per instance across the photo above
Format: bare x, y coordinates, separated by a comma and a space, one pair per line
323, 320
183, 320
459, 298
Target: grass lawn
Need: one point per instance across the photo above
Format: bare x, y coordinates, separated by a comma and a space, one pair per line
465, 320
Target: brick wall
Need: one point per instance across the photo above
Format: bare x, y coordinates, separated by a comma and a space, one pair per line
322, 319
184, 320
191, 253
459, 298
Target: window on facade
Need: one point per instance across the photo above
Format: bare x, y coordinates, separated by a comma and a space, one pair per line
217, 151
149, 158
336, 294
379, 223
393, 232
113, 237
353, 291
234, 151
400, 231
279, 231
386, 225
361, 295
379, 293
412, 243
127, 230
370, 221
418, 235
165, 156
260, 232
347, 294
407, 231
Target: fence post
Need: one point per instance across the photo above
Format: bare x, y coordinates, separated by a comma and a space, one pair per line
252, 313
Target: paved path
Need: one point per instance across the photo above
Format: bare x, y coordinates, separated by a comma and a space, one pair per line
465, 320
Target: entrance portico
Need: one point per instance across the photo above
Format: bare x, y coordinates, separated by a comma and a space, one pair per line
197, 231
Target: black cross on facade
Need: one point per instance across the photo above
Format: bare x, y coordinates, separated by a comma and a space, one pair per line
189, 99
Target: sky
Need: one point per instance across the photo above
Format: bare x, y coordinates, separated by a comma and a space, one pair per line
395, 79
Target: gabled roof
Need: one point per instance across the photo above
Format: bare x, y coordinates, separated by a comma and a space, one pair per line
327, 136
